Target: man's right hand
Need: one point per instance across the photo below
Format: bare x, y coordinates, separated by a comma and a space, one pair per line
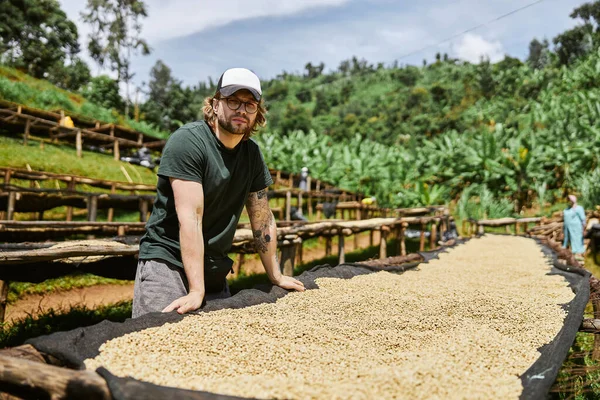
190, 302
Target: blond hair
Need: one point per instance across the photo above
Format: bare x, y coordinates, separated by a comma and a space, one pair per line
210, 116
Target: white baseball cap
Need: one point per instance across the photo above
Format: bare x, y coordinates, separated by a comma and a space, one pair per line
235, 79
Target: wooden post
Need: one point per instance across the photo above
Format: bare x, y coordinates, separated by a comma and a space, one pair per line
288, 256
116, 150
7, 175
3, 299
78, 143
140, 140
300, 254
383, 242
237, 267
111, 211
310, 206
327, 245
433, 236
507, 227
92, 207
10, 209
422, 238
112, 130
121, 230
480, 229
402, 240
371, 241
291, 181
70, 188
288, 205
277, 177
143, 210
300, 202
517, 228
341, 249
26, 134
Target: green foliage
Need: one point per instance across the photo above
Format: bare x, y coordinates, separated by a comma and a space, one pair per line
103, 91
589, 187
36, 36
115, 36
53, 321
478, 202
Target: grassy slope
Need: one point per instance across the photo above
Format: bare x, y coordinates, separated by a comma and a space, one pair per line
21, 88
63, 159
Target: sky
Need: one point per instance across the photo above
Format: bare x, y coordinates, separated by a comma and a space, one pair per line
198, 39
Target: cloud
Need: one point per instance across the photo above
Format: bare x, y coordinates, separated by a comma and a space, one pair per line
472, 47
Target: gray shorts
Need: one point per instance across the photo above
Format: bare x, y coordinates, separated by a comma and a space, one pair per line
159, 283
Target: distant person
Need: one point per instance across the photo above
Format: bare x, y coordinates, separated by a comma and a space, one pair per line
208, 171
574, 225
304, 179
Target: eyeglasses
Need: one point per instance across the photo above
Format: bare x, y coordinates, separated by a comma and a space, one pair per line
234, 104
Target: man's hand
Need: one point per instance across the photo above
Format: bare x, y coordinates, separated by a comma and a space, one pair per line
287, 282
190, 302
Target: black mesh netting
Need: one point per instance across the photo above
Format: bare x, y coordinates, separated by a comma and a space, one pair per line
73, 347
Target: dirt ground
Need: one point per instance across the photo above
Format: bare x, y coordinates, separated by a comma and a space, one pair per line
106, 294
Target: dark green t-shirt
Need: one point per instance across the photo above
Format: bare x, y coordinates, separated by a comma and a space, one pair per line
194, 153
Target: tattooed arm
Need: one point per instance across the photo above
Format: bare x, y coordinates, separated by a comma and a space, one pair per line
264, 231
189, 205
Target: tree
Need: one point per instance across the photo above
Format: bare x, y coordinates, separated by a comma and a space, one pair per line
539, 54
577, 42
72, 76
36, 35
115, 36
102, 90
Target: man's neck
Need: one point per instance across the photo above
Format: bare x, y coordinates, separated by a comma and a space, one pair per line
228, 139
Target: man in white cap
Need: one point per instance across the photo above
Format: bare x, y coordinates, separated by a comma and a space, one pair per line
208, 171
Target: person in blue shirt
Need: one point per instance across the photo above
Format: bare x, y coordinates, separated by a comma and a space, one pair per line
574, 225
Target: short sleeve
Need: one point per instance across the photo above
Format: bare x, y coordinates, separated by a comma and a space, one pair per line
183, 157
261, 174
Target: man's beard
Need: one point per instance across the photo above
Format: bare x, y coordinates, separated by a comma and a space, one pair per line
236, 130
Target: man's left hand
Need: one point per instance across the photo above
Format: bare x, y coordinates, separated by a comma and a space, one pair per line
287, 282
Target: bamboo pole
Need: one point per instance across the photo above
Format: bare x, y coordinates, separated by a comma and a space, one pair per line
402, 239
341, 249
288, 205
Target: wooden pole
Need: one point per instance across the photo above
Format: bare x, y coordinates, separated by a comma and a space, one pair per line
433, 236
288, 256
116, 150
143, 210
78, 143
341, 249
92, 207
300, 202
3, 299
10, 209
517, 228
70, 188
327, 245
111, 211
300, 255
237, 267
36, 380
26, 134
422, 238
402, 239
288, 205
310, 205
383, 242
371, 241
